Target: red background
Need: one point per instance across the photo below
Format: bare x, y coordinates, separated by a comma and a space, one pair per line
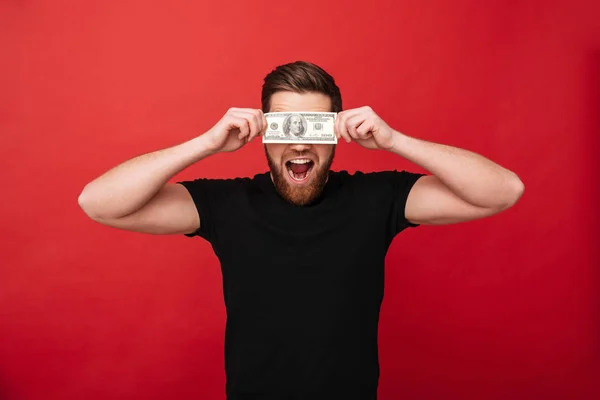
503, 308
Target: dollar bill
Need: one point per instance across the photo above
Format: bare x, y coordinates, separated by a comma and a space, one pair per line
300, 127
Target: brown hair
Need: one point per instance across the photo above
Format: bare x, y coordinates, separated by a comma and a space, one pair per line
300, 77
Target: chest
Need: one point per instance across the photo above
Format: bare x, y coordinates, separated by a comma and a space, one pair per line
319, 266
336, 256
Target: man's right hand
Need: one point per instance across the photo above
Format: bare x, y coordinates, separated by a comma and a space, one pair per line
237, 127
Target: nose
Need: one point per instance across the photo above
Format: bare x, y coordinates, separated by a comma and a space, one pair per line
300, 146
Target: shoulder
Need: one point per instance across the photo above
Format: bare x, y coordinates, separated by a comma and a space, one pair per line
379, 187
223, 183
386, 177
212, 184
224, 189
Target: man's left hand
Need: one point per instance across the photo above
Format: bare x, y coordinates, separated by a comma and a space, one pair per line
364, 127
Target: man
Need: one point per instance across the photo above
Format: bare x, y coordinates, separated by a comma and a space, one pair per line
301, 247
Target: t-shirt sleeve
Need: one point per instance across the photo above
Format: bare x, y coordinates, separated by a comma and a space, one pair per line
212, 198
400, 184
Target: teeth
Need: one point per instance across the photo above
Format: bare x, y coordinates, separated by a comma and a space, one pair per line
300, 161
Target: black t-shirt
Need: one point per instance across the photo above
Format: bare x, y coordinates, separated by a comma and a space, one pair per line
302, 286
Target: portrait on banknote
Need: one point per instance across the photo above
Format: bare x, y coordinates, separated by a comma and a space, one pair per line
294, 124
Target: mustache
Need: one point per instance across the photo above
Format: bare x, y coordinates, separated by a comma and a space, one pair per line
298, 154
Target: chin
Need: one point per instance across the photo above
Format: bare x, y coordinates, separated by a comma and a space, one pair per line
300, 179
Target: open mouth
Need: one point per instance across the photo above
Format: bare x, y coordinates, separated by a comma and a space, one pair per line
299, 169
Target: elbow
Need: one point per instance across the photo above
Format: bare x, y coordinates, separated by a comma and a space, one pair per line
517, 190
85, 202
514, 192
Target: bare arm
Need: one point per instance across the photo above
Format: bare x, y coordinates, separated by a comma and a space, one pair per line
170, 211
463, 186
129, 186
136, 195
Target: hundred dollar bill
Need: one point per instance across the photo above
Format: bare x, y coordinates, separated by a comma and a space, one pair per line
300, 127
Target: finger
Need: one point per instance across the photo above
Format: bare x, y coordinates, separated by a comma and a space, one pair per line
341, 127
241, 124
257, 122
352, 119
336, 128
252, 122
352, 123
260, 121
365, 129
351, 113
265, 124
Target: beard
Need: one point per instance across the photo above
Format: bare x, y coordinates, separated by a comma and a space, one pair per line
305, 194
